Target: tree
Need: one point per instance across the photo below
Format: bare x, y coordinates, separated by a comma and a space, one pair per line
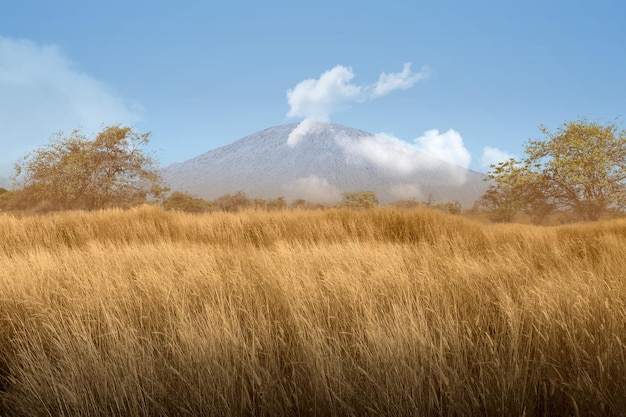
359, 199
298, 203
277, 204
180, 201
504, 197
406, 204
73, 172
581, 167
233, 203
452, 207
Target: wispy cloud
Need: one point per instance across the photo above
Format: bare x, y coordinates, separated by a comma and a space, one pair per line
333, 91
42, 92
492, 156
397, 81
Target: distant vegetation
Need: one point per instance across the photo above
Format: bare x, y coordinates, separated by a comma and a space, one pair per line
233, 203
338, 312
180, 201
359, 200
577, 173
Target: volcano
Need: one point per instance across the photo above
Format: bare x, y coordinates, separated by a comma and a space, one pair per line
318, 162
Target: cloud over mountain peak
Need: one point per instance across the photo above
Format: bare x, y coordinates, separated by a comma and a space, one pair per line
334, 91
319, 161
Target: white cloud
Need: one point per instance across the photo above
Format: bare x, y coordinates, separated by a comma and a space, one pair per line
428, 153
41, 93
397, 81
387, 152
317, 99
446, 146
313, 189
492, 156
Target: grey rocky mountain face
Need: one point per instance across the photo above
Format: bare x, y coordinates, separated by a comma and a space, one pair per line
320, 161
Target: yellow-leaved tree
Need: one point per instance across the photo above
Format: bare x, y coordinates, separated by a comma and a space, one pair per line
74, 172
580, 167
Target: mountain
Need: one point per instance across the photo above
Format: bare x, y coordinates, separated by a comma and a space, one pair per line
318, 162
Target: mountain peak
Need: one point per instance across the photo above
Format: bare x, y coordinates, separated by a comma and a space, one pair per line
318, 162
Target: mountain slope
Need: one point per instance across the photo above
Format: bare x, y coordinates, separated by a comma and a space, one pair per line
320, 161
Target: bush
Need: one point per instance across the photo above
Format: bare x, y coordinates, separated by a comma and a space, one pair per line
298, 203
406, 204
452, 207
233, 203
180, 201
359, 199
277, 204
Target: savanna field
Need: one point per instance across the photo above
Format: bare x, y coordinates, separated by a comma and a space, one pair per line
382, 312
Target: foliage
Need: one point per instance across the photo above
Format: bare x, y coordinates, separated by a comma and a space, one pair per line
582, 167
298, 203
451, 207
232, 202
258, 203
359, 199
15, 200
301, 203
503, 197
278, 203
73, 172
185, 202
406, 204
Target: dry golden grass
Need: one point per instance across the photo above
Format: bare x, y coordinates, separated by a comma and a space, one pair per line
338, 313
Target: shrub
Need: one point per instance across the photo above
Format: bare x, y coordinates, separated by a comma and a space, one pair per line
233, 203
185, 202
359, 199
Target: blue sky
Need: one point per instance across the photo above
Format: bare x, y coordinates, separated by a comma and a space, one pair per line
201, 75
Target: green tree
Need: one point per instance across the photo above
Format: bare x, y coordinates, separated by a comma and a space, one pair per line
359, 199
74, 172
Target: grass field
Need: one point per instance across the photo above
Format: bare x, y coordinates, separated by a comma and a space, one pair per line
385, 312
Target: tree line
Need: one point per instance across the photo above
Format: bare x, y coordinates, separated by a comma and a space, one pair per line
579, 168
